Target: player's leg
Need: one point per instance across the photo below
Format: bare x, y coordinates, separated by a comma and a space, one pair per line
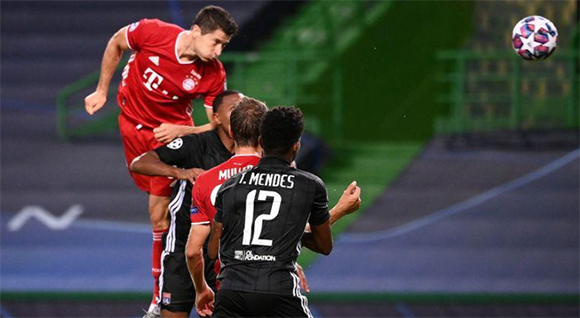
136, 141
176, 286
229, 303
159, 223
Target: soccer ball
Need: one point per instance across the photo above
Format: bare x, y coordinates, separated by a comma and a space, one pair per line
534, 38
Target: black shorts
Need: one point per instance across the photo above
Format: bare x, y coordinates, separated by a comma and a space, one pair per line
231, 303
177, 293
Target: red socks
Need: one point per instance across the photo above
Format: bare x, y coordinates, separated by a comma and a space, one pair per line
156, 261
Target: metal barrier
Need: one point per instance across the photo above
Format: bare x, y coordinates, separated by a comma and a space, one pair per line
500, 91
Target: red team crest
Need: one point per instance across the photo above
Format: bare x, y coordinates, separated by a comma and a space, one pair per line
189, 84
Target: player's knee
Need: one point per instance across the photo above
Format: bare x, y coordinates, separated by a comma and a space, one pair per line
158, 222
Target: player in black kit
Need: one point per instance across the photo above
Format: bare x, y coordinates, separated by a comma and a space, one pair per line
260, 222
184, 158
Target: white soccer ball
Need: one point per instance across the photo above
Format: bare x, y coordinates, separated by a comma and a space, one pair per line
534, 38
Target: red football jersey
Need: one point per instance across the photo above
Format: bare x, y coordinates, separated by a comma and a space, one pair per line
157, 87
208, 183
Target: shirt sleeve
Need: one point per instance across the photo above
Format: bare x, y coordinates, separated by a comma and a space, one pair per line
139, 33
219, 86
199, 212
219, 215
319, 211
183, 152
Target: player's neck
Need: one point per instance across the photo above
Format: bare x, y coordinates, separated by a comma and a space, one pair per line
288, 158
247, 151
184, 42
227, 141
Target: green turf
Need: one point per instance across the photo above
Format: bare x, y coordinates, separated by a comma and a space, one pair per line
373, 165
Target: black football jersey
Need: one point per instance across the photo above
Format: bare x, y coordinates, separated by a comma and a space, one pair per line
203, 151
264, 212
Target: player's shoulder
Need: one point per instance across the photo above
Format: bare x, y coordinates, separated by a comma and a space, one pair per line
214, 68
215, 63
307, 176
159, 24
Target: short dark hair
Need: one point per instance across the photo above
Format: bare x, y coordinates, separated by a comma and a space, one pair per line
218, 101
281, 129
211, 18
245, 121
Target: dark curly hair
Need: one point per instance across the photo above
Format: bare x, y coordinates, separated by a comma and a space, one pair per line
281, 128
245, 121
211, 18
218, 101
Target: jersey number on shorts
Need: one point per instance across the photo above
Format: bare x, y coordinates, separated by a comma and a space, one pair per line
257, 225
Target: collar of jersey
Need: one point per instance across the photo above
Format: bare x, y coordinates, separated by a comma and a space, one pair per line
248, 155
268, 161
177, 55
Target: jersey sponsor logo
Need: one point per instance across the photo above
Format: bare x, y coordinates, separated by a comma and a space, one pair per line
153, 79
133, 26
175, 144
166, 299
189, 84
249, 256
154, 59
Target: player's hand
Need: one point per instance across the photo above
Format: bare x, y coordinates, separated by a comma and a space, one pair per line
350, 200
303, 280
167, 132
189, 174
95, 101
204, 302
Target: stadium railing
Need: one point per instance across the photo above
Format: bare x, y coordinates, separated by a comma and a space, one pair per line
497, 90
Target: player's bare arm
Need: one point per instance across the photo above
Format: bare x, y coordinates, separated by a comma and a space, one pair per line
204, 296
150, 164
111, 58
166, 132
320, 239
348, 203
213, 246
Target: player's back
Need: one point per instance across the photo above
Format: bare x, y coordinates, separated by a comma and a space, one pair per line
264, 212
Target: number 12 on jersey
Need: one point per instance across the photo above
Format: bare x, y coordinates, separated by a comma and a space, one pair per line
258, 224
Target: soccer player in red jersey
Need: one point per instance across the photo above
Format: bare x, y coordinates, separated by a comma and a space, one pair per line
245, 121
169, 67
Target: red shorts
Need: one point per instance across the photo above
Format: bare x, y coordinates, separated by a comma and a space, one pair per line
138, 139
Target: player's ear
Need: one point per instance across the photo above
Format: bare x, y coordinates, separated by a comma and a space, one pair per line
216, 118
296, 147
230, 132
195, 30
260, 142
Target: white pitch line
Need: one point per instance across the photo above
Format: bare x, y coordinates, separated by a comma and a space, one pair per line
462, 206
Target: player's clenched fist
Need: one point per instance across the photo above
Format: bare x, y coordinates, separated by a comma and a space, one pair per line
94, 102
350, 199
